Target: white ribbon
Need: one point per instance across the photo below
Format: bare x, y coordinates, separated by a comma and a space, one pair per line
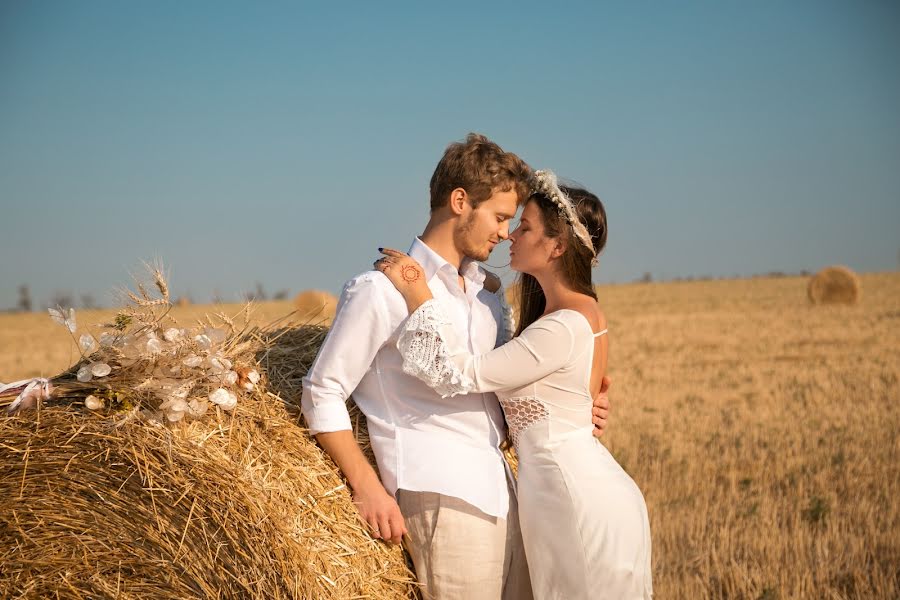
36, 389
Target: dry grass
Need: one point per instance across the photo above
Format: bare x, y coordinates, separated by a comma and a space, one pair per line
763, 431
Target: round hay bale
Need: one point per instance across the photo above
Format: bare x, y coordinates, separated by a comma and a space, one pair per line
315, 305
183, 301
239, 504
834, 285
512, 297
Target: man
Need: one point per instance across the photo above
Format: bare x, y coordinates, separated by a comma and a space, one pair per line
443, 477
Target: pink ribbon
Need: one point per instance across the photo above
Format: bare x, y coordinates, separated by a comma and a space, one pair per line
34, 390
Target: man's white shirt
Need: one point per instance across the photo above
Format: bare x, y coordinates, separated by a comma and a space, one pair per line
422, 442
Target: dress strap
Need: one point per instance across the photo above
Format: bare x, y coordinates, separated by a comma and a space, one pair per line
599, 333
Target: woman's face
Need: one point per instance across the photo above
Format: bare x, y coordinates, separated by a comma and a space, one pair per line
530, 250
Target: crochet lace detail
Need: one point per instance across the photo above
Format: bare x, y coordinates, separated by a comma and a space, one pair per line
521, 413
425, 354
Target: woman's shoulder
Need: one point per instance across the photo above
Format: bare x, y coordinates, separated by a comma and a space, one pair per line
586, 309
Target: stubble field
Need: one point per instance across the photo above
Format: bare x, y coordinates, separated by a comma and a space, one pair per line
764, 432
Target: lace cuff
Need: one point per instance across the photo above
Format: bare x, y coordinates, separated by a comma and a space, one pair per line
425, 354
507, 328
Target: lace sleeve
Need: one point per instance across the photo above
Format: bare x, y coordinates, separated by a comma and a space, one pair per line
507, 328
425, 354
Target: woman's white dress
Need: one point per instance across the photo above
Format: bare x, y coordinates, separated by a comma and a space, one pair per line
583, 519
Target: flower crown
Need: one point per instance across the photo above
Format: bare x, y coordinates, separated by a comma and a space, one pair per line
546, 184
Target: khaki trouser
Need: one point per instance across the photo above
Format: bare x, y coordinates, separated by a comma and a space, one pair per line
460, 553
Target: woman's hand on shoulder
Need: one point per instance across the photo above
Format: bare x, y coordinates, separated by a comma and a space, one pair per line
406, 274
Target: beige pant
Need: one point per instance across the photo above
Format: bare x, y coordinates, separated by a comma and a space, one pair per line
460, 552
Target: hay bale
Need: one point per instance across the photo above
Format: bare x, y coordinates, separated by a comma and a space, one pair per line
239, 504
834, 285
183, 301
315, 305
512, 297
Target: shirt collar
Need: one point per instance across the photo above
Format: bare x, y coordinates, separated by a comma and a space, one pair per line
433, 263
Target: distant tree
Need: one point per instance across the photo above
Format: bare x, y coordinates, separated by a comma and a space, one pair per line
281, 295
647, 277
63, 299
25, 304
89, 302
257, 295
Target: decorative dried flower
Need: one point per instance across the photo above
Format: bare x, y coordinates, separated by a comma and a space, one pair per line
100, 369
173, 334
154, 346
197, 408
219, 364
247, 378
192, 361
87, 343
93, 402
224, 398
229, 378
84, 374
65, 319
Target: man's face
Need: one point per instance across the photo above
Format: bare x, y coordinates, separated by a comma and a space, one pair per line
484, 227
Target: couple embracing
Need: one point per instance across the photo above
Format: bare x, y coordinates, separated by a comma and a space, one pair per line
427, 346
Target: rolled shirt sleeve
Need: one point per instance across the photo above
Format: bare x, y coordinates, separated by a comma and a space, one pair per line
360, 328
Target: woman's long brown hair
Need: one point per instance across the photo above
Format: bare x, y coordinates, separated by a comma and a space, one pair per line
575, 263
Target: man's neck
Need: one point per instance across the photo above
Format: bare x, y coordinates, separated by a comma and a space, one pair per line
439, 237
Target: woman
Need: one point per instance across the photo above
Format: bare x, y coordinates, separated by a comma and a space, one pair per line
584, 522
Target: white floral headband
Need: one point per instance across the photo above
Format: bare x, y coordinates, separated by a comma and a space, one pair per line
546, 184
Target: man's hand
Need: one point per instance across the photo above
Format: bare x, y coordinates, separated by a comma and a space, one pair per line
600, 410
381, 512
375, 505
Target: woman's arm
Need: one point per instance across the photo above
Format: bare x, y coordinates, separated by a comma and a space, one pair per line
433, 352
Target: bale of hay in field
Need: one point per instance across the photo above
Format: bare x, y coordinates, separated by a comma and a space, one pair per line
834, 285
512, 297
145, 498
183, 301
237, 504
315, 305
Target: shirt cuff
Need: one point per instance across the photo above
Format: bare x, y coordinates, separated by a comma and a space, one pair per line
328, 416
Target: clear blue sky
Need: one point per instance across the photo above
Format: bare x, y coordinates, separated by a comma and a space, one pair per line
284, 142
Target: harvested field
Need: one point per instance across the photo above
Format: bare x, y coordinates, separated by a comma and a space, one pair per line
764, 431
31, 345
